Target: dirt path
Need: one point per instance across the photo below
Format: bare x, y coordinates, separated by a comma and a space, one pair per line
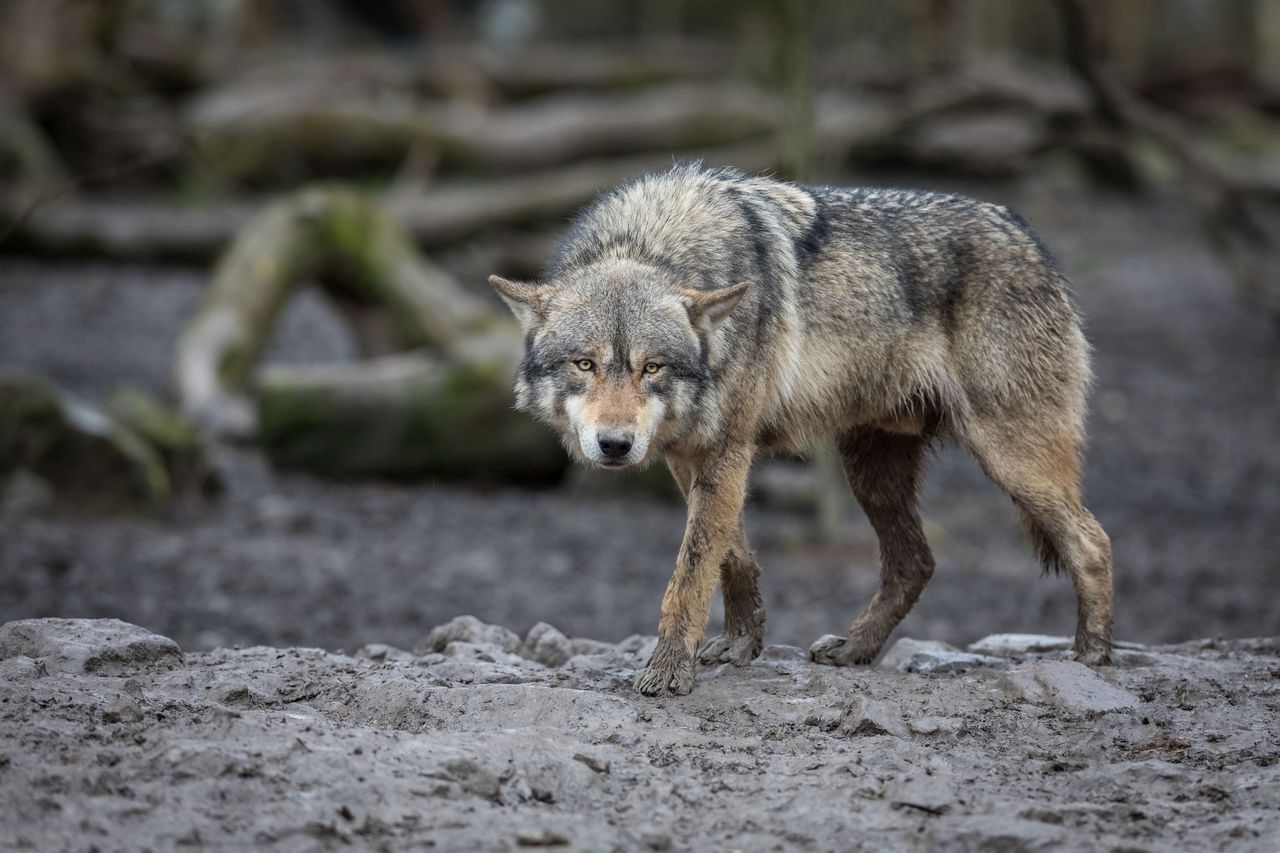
110, 737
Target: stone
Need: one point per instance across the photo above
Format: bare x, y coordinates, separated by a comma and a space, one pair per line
87, 646
1018, 645
1067, 684
547, 645
469, 629
864, 716
781, 653
382, 653
933, 656
486, 652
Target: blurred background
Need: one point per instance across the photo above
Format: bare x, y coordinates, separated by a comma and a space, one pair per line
254, 388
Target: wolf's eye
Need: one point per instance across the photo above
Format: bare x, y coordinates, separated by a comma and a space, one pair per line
652, 368
585, 364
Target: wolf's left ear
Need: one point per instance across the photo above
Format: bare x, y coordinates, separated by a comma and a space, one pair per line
526, 300
708, 307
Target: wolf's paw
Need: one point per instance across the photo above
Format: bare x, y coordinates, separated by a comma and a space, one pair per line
669, 673
831, 650
1094, 654
737, 649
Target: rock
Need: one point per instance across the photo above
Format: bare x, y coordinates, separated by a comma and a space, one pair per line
928, 656
582, 646
1067, 684
781, 653
486, 652
1018, 645
862, 716
87, 646
382, 653
546, 645
469, 629
871, 717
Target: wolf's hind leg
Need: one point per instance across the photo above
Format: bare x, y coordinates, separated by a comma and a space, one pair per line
1042, 474
743, 636
884, 472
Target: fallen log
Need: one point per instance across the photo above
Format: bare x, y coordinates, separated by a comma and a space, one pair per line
947, 122
484, 73
284, 132
403, 416
146, 230
342, 241
130, 456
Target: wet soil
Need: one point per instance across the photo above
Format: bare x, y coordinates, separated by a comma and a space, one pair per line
110, 739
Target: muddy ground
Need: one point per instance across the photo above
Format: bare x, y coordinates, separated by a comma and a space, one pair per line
474, 746
1183, 471
111, 739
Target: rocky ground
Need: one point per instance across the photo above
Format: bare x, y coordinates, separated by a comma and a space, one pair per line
113, 739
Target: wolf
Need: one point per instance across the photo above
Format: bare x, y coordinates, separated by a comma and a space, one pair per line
704, 316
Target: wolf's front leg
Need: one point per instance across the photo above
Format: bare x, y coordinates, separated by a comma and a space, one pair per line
715, 502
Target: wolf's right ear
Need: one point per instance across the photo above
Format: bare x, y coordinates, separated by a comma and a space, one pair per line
526, 299
708, 307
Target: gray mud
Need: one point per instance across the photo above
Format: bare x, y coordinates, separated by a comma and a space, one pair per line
110, 739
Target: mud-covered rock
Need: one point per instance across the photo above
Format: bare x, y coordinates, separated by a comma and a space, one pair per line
94, 646
1067, 684
469, 629
1018, 645
548, 646
926, 656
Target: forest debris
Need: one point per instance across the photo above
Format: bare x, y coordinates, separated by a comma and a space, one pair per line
88, 458
403, 416
1227, 194
292, 130
394, 298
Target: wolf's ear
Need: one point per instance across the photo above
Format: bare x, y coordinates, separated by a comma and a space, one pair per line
708, 307
526, 300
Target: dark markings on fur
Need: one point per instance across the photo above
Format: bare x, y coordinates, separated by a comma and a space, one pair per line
961, 261
810, 242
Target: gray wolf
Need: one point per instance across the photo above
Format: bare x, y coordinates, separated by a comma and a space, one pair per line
703, 316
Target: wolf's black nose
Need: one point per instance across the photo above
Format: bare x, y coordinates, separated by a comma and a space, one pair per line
615, 445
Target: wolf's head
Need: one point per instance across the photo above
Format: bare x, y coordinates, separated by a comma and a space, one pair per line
615, 356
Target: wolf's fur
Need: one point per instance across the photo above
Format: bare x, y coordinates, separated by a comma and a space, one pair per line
777, 314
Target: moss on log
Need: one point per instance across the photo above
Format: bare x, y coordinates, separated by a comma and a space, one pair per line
404, 416
90, 459
362, 258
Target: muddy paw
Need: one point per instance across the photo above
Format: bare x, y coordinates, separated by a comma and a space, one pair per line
737, 649
831, 650
1093, 655
669, 673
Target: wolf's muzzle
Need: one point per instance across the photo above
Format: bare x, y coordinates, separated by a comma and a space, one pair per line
615, 445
